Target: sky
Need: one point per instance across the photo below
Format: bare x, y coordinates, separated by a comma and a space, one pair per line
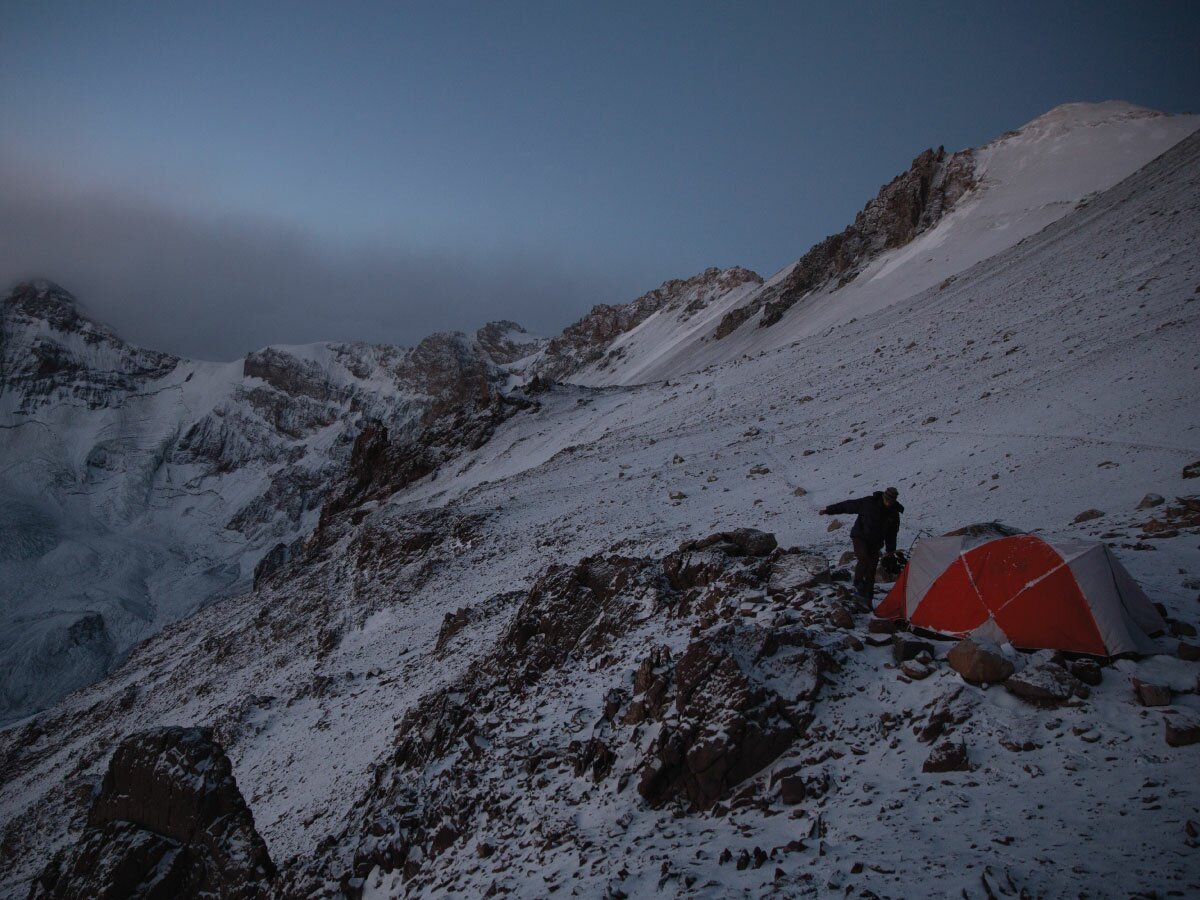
212, 177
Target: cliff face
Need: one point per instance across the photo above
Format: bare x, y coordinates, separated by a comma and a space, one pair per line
906, 206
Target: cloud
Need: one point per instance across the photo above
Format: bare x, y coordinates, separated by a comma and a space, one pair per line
211, 287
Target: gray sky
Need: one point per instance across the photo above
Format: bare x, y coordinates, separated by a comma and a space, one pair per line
212, 177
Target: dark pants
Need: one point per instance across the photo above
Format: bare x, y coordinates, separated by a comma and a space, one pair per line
865, 566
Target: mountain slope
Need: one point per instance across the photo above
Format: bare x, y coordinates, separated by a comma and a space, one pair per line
136, 487
437, 694
926, 227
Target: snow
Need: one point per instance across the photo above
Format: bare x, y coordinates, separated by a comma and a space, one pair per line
1028, 179
1051, 377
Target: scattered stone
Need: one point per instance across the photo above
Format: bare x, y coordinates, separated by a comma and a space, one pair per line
1192, 470
847, 557
1151, 694
834, 525
915, 669
905, 649
1044, 683
1189, 652
1086, 516
1151, 500
677, 495
947, 756
799, 492
677, 459
1013, 745
1182, 729
979, 661
759, 470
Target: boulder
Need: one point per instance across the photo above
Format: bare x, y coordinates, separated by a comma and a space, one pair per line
1192, 470
979, 661
1190, 652
1182, 729
1151, 694
948, 756
1151, 500
1088, 671
882, 626
1045, 683
169, 822
1086, 516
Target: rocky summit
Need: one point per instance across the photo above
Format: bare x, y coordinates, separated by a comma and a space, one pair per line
512, 615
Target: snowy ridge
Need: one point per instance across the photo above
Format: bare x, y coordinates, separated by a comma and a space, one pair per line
1026, 180
472, 686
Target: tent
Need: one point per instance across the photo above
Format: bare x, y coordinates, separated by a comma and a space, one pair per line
1034, 592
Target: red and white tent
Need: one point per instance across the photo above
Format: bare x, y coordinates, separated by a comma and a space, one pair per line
1038, 593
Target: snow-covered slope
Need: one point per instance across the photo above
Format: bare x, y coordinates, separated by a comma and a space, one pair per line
1023, 181
445, 693
135, 486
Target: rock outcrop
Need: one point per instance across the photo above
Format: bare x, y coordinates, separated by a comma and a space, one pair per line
906, 206
169, 822
588, 340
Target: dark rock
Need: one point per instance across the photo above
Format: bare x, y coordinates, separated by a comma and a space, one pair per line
979, 661
1088, 671
1044, 683
947, 756
1151, 694
1190, 652
452, 624
882, 626
169, 821
1182, 729
1086, 516
791, 789
795, 571
1192, 470
729, 726
1151, 500
907, 648
740, 541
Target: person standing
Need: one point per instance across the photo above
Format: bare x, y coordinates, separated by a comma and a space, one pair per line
877, 525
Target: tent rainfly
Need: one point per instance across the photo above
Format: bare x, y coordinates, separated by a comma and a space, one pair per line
1034, 592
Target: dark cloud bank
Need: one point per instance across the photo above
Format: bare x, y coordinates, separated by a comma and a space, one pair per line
214, 288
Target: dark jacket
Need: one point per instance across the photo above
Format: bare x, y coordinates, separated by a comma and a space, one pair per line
876, 524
